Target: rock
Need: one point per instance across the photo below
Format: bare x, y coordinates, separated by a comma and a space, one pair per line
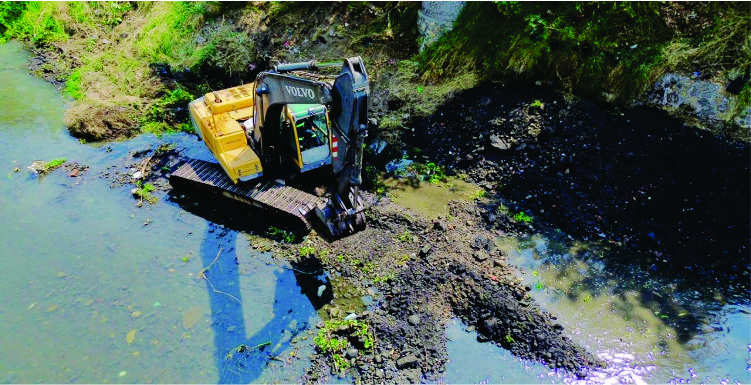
130, 337
425, 250
352, 353
135, 314
378, 359
499, 143
490, 326
414, 319
480, 256
406, 361
521, 146
137, 175
497, 263
398, 165
378, 146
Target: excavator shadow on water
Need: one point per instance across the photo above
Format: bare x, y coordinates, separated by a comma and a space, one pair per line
300, 289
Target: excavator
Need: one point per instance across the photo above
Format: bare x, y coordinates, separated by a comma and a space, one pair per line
293, 119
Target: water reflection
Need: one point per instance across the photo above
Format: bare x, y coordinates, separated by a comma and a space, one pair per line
648, 327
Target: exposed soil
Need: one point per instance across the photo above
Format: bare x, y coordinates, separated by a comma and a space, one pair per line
443, 269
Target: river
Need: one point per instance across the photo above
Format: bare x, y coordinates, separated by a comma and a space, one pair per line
98, 290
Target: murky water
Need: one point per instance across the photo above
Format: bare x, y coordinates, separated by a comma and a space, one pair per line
97, 290
648, 328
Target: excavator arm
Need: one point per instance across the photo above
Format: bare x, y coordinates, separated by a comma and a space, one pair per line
347, 99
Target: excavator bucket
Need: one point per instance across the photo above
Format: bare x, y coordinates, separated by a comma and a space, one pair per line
340, 219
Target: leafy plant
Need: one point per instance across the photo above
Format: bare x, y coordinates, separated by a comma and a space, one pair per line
144, 191
522, 217
307, 251
281, 235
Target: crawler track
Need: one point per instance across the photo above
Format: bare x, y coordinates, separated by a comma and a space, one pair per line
265, 194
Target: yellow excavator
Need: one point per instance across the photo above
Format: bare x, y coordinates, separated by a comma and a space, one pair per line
291, 120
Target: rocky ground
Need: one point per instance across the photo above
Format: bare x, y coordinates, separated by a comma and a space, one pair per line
635, 178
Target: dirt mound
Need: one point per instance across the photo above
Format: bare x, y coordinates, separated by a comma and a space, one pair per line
422, 275
97, 123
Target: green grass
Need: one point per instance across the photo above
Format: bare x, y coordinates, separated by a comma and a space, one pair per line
602, 50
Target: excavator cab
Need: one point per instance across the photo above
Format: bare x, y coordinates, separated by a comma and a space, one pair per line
308, 135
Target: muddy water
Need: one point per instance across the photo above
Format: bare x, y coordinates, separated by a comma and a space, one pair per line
649, 329
97, 290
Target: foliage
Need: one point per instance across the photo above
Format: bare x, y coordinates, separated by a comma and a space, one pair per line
144, 191
522, 217
406, 236
307, 251
281, 235
336, 335
478, 194
610, 51
421, 99
33, 21
54, 163
430, 172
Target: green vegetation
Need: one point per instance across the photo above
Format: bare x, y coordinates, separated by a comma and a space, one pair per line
429, 172
602, 50
421, 99
522, 217
114, 52
478, 194
406, 236
336, 335
144, 191
54, 163
307, 250
384, 278
281, 235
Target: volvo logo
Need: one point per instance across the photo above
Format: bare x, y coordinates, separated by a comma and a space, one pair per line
300, 92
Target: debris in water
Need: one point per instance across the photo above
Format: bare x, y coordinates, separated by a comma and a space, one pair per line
191, 317
131, 336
